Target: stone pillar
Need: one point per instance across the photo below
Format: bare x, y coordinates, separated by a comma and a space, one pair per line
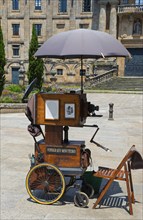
113, 21
121, 66
72, 21
102, 17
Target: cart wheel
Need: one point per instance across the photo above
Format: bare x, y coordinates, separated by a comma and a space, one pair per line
45, 183
81, 199
88, 189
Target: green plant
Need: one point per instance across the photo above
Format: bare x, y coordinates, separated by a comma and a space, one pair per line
36, 66
6, 99
2, 62
12, 94
11, 98
14, 88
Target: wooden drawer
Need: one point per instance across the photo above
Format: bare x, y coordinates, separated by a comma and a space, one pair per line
61, 156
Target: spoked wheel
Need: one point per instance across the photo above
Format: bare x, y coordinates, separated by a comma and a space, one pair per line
45, 183
81, 199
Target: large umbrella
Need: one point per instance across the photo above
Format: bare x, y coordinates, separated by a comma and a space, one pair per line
82, 43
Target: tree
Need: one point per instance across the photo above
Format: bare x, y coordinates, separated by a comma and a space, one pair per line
36, 66
2, 62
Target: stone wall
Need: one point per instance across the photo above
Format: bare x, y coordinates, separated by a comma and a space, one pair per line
104, 16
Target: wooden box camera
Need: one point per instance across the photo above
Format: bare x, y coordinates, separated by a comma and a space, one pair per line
60, 109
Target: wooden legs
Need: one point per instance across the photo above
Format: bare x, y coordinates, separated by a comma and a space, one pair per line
128, 190
129, 185
106, 187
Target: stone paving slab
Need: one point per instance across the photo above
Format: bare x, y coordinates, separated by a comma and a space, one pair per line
118, 135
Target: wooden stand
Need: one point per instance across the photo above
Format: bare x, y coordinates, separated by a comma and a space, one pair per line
53, 135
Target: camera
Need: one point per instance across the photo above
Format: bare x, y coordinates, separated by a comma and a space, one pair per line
91, 109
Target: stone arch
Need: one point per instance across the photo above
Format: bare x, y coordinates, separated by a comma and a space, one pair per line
78, 65
137, 26
11, 63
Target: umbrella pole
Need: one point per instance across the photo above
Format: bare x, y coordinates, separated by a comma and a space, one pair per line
81, 73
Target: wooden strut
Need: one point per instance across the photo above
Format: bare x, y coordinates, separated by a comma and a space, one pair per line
99, 145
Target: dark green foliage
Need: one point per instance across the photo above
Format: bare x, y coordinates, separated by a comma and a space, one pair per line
15, 88
2, 62
36, 66
12, 94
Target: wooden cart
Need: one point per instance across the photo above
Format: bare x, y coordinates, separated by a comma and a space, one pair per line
56, 157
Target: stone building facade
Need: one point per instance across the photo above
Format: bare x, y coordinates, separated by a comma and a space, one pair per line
123, 19
130, 33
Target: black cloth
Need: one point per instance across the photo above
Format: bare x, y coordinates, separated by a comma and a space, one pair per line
136, 161
34, 130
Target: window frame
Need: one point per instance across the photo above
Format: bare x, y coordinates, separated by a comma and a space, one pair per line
15, 5
38, 29
85, 6
38, 6
84, 26
139, 2
59, 72
15, 29
62, 7
16, 50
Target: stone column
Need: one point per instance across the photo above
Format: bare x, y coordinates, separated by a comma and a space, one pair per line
102, 17
72, 21
113, 21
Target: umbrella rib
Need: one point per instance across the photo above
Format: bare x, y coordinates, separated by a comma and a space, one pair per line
102, 55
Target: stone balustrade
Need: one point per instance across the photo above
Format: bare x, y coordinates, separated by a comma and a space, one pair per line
94, 80
130, 8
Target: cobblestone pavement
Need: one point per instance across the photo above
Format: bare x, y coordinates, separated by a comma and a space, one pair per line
118, 135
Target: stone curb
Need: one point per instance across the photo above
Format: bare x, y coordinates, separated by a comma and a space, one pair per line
20, 107
12, 107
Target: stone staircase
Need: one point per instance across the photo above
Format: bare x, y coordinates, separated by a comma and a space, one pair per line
121, 84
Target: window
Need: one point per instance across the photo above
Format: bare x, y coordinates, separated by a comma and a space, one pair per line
72, 2
15, 50
62, 5
15, 4
60, 26
37, 4
125, 2
139, 2
60, 72
86, 6
85, 26
82, 72
15, 28
38, 28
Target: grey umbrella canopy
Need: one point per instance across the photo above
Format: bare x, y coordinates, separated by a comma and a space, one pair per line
82, 43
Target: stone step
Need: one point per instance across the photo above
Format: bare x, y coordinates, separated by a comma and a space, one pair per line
127, 83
